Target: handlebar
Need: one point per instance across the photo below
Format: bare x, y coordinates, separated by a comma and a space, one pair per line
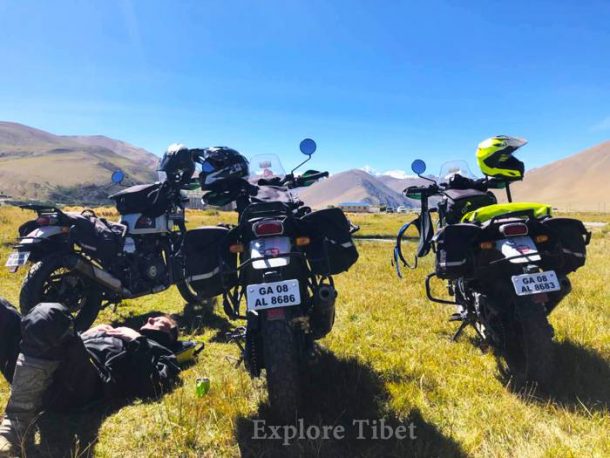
291, 181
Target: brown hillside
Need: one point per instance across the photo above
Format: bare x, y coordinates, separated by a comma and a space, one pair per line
35, 164
351, 186
578, 182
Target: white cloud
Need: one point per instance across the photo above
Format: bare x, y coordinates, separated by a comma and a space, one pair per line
604, 124
398, 174
369, 169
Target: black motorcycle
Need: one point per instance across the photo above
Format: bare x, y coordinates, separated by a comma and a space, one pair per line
287, 258
506, 265
86, 262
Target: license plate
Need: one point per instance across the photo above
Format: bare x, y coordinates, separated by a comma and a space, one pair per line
272, 295
17, 258
542, 282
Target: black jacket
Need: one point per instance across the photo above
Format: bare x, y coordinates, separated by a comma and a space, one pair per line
100, 366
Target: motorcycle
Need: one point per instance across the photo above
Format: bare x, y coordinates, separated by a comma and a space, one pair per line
506, 265
288, 255
86, 262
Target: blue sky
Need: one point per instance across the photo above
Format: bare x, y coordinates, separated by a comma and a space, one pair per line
375, 83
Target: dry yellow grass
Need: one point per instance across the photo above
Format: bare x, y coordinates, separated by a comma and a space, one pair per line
389, 356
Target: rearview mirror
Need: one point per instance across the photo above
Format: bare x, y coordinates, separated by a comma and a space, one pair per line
117, 176
308, 147
418, 166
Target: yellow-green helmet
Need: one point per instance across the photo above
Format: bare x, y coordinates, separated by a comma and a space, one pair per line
495, 157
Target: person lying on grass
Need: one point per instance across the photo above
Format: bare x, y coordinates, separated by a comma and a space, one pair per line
49, 366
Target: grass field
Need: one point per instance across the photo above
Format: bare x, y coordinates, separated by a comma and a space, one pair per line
389, 357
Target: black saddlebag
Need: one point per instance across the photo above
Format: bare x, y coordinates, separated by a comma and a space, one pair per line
210, 267
96, 236
455, 251
332, 249
147, 199
458, 202
573, 240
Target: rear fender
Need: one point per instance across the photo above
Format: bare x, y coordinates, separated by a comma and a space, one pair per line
43, 241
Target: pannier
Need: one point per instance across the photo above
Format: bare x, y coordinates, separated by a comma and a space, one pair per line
573, 240
458, 202
147, 199
210, 267
95, 236
454, 245
332, 249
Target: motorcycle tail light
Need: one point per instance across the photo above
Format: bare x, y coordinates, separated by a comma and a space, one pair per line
514, 229
266, 228
45, 220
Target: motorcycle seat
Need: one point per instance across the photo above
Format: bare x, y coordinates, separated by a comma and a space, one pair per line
483, 214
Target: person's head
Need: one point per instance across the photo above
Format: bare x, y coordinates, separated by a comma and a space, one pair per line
161, 328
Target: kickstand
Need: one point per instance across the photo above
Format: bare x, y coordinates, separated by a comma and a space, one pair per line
460, 330
237, 336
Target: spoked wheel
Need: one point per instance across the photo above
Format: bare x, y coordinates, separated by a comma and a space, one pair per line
529, 345
49, 280
282, 367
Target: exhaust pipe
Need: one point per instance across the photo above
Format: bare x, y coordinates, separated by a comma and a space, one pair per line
96, 274
323, 312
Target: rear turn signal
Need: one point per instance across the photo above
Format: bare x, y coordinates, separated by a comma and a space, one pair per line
236, 248
302, 241
541, 238
486, 245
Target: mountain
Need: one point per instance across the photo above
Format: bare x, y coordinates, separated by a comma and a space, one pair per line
35, 164
578, 182
351, 186
140, 155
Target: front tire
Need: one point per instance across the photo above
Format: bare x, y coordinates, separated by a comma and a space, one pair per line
282, 368
190, 294
50, 280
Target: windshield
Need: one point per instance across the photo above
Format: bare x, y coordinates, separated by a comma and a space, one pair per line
265, 166
450, 168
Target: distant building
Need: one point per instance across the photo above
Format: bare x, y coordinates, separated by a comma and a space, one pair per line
4, 198
358, 207
195, 202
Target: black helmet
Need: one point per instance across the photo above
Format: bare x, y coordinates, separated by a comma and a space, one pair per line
221, 164
178, 164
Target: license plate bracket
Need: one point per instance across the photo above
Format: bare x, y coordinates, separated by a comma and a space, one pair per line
262, 296
541, 282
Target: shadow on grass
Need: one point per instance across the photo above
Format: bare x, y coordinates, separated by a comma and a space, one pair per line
74, 433
337, 392
582, 378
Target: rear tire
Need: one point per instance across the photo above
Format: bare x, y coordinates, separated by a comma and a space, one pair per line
529, 346
282, 368
50, 280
